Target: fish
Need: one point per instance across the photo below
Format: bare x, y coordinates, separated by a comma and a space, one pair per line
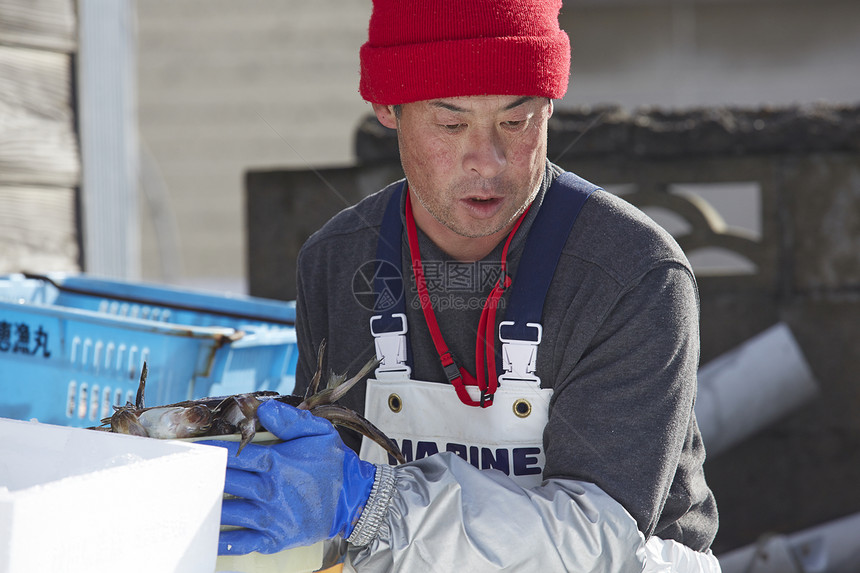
237, 414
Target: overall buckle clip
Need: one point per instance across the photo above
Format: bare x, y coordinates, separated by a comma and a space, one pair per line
390, 349
519, 357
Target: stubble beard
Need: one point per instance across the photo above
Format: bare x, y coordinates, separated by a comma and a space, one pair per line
444, 215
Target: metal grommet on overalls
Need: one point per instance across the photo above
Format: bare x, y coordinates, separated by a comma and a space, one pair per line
522, 408
395, 403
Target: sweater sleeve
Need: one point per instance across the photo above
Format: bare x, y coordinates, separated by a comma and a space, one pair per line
307, 361
622, 413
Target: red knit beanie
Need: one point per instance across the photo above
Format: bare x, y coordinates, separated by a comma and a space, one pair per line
429, 49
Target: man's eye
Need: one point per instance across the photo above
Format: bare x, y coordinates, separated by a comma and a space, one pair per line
513, 124
452, 127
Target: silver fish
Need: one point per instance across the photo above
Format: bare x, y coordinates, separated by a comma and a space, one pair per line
237, 414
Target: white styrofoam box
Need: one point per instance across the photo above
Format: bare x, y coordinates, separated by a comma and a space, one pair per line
78, 500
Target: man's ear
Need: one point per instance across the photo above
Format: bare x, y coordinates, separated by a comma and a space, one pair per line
385, 115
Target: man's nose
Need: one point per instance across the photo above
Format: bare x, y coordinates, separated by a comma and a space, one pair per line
485, 153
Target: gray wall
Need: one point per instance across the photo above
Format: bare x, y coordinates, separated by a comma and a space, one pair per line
713, 52
227, 86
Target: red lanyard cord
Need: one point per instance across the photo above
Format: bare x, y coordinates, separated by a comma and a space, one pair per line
485, 359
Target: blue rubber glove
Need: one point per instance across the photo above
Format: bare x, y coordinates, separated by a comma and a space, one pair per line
308, 488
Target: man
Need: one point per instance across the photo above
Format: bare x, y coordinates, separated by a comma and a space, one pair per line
538, 336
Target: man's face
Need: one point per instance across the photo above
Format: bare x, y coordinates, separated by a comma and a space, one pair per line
473, 163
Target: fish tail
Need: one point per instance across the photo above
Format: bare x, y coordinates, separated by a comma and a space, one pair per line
342, 416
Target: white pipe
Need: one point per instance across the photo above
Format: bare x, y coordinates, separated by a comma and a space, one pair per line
750, 387
830, 548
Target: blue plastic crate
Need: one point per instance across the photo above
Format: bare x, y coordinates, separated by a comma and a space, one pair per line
71, 347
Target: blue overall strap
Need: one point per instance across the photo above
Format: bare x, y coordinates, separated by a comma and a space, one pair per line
388, 279
389, 320
546, 239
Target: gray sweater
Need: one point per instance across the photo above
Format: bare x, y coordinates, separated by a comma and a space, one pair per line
620, 347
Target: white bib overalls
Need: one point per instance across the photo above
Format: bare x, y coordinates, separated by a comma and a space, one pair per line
427, 418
